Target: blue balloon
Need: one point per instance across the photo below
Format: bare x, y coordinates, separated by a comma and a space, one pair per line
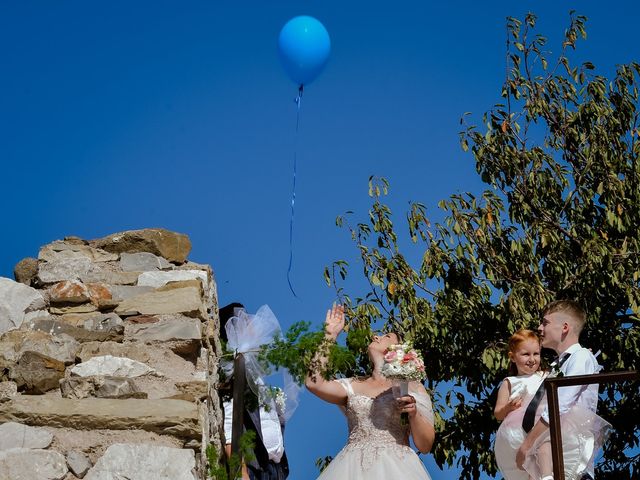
304, 47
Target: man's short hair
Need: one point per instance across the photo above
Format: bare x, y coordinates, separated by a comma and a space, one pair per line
568, 307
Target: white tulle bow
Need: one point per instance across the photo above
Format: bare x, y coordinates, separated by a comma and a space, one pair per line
247, 334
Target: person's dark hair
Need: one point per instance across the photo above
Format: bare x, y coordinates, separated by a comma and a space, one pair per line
225, 313
397, 334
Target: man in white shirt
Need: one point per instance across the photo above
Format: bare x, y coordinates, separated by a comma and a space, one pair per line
559, 330
270, 458
270, 427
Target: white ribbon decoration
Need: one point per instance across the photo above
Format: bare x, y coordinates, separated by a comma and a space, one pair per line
247, 334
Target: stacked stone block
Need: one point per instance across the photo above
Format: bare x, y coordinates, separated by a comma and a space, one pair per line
108, 361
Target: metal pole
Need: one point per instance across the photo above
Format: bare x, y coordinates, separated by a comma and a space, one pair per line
554, 430
239, 386
551, 386
600, 378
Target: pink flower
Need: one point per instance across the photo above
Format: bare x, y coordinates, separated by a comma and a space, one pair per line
409, 357
390, 356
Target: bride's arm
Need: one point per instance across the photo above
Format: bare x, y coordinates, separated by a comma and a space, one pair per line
422, 429
328, 390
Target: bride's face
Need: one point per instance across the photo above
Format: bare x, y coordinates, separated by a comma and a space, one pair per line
381, 342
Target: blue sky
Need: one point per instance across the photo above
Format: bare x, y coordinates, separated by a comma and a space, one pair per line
123, 115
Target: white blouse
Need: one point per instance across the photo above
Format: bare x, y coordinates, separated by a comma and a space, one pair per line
269, 425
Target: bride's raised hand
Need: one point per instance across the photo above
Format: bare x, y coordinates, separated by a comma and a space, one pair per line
334, 322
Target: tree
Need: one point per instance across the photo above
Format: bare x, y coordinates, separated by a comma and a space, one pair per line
559, 218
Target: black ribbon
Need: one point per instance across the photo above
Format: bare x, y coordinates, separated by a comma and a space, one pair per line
530, 414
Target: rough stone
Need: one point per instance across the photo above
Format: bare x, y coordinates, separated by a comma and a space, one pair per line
116, 387
202, 364
54, 251
82, 308
112, 366
104, 273
8, 390
122, 292
210, 286
195, 390
93, 443
30, 316
10, 343
165, 330
200, 376
192, 283
142, 262
158, 279
173, 246
32, 464
108, 305
99, 293
5, 368
36, 373
59, 347
143, 319
16, 301
159, 357
77, 387
26, 270
69, 291
168, 417
68, 265
82, 286
182, 300
75, 319
78, 463
104, 322
16, 435
89, 350
100, 387
73, 240
56, 327
142, 462
157, 387
74, 291
183, 334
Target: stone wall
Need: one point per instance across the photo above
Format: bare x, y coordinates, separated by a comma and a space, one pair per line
108, 361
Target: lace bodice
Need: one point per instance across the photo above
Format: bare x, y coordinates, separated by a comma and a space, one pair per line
374, 423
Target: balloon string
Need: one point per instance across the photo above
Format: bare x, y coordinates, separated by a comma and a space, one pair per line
298, 101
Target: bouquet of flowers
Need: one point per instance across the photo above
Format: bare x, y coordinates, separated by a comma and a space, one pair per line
403, 364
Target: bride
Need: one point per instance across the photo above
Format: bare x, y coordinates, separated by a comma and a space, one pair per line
378, 445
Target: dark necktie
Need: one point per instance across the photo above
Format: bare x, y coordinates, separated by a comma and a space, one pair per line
530, 413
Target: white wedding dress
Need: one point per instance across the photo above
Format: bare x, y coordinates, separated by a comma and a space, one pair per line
583, 433
510, 434
378, 445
